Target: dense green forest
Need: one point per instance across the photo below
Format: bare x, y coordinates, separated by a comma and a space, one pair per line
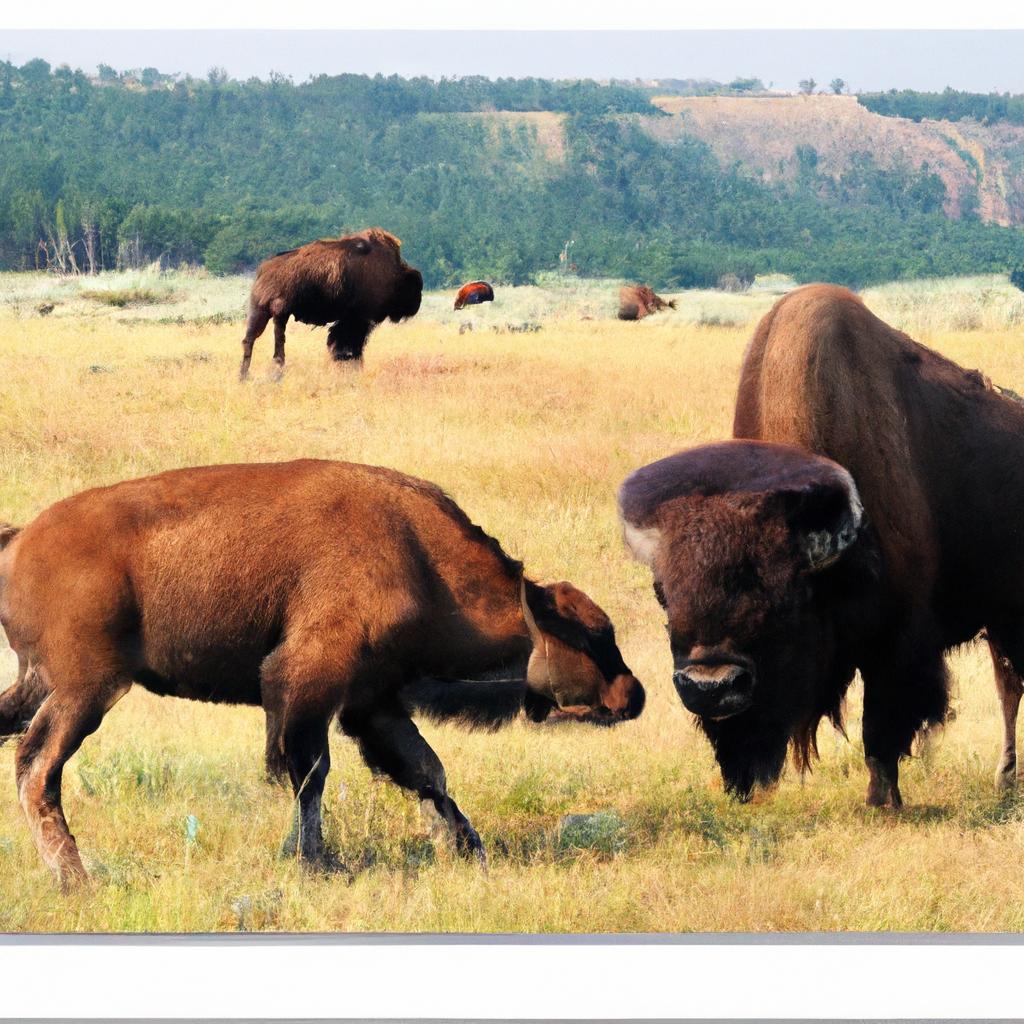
949, 105
124, 168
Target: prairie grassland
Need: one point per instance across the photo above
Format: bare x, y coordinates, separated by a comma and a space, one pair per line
531, 433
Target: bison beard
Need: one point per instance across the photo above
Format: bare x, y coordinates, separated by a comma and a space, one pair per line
750, 750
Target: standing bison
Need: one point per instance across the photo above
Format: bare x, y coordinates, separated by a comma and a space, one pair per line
473, 294
354, 283
783, 571
315, 589
637, 301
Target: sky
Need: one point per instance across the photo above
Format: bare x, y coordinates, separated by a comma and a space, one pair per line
867, 60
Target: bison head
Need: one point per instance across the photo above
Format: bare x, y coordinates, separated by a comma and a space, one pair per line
575, 664
375, 272
766, 568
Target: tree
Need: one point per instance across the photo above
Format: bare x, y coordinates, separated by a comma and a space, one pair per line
837, 85
807, 86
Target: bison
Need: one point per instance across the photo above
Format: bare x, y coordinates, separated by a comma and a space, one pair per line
353, 282
911, 548
637, 301
473, 294
313, 588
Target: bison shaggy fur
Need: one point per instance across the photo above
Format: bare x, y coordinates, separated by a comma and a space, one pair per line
353, 283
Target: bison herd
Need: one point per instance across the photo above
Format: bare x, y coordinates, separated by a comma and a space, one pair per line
864, 517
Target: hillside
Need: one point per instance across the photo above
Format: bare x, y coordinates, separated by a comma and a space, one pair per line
494, 179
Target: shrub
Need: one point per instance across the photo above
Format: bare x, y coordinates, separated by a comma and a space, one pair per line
1017, 277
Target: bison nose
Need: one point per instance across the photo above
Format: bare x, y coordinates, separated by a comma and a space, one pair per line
636, 700
714, 690
624, 698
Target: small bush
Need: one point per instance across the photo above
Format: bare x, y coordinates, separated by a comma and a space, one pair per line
126, 296
734, 283
604, 832
1017, 277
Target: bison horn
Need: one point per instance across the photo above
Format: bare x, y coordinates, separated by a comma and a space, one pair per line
531, 622
538, 669
823, 547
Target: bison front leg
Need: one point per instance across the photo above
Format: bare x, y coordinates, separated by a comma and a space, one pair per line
347, 339
901, 697
391, 744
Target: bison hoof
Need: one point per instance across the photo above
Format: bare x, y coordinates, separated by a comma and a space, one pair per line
883, 787
1006, 778
469, 844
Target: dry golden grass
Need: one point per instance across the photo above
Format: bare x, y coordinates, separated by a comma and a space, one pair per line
531, 433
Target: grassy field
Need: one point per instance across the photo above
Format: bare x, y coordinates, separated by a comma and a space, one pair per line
531, 432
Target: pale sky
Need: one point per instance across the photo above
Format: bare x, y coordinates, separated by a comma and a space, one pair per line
980, 61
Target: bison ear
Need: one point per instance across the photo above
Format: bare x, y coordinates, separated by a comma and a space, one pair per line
572, 603
826, 519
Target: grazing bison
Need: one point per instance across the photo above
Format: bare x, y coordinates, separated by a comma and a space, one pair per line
637, 301
315, 589
353, 282
938, 555
473, 294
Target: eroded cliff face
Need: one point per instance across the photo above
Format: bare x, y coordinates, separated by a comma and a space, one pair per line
982, 166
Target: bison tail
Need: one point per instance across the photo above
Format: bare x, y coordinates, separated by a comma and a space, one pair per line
20, 702
7, 534
475, 704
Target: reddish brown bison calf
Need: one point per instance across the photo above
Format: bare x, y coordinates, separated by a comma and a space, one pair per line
314, 589
353, 282
473, 294
637, 301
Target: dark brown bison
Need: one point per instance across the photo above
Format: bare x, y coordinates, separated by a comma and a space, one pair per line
936, 453
353, 282
473, 294
312, 588
637, 301
768, 596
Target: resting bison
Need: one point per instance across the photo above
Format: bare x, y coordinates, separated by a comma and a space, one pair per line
473, 294
353, 282
937, 456
311, 588
637, 301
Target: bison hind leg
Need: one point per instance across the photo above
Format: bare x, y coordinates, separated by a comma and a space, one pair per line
1010, 689
254, 327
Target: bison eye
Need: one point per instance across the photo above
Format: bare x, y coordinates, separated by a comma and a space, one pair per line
362, 246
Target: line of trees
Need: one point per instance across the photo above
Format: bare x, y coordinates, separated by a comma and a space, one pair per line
948, 105
126, 168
